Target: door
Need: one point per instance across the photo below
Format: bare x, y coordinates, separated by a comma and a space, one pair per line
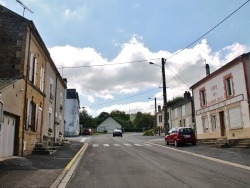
222, 123
39, 125
7, 136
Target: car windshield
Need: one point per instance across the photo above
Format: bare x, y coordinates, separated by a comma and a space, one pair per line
186, 131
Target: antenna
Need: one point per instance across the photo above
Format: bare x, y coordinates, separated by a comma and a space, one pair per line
24, 7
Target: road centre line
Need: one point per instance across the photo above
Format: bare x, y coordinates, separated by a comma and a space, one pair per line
201, 156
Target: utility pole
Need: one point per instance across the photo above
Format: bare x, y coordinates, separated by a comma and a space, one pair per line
166, 126
155, 114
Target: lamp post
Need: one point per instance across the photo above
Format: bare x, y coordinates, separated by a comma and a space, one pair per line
166, 125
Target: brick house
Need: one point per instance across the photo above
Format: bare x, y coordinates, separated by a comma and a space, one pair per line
23, 55
221, 102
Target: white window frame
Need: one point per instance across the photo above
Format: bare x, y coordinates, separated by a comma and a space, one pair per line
183, 110
42, 74
229, 86
51, 90
205, 124
1, 114
203, 97
214, 122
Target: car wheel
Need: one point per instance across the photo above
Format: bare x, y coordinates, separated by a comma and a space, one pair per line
194, 143
167, 143
175, 143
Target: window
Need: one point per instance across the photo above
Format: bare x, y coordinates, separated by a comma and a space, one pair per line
61, 101
205, 124
228, 85
32, 68
214, 122
42, 73
184, 122
31, 115
235, 118
203, 97
183, 110
1, 114
51, 96
160, 118
175, 112
50, 118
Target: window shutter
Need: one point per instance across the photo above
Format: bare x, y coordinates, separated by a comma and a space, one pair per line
27, 113
35, 71
31, 66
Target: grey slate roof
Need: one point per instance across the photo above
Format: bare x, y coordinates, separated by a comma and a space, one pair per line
6, 83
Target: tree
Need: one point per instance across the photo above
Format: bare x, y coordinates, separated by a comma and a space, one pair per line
144, 120
99, 119
85, 120
122, 118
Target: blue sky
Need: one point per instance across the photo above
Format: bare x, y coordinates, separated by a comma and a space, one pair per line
110, 36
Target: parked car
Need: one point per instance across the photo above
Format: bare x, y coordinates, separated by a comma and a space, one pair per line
181, 135
87, 132
117, 132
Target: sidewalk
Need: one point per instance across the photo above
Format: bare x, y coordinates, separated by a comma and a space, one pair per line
36, 170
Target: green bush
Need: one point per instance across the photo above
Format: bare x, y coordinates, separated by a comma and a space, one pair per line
149, 132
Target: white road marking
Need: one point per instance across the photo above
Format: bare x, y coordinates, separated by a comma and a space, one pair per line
106, 145
147, 145
137, 144
127, 145
95, 145
83, 140
201, 156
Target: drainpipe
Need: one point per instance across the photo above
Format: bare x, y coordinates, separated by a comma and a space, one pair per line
25, 94
55, 123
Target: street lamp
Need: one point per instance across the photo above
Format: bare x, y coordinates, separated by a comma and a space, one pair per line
166, 125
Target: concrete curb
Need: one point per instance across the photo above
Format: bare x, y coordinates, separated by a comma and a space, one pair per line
66, 174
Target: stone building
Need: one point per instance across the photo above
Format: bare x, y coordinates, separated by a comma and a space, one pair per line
221, 102
23, 55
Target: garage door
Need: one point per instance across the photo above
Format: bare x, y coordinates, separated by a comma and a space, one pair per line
7, 133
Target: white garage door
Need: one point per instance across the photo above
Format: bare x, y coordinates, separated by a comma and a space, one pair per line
7, 134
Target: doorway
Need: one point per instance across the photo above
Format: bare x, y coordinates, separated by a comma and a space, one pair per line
222, 123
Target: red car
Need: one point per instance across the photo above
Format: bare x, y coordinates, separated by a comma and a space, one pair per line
181, 135
87, 132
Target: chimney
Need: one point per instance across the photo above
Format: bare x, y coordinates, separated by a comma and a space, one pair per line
65, 80
187, 95
207, 69
159, 108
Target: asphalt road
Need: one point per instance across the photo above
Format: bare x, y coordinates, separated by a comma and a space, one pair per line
133, 161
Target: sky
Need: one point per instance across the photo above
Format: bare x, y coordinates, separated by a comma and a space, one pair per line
103, 47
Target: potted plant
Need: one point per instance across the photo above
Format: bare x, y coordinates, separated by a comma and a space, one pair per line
50, 131
60, 134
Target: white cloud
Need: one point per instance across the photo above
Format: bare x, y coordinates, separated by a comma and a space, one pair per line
2, 2
126, 74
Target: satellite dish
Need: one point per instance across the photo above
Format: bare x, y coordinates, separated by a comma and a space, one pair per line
24, 7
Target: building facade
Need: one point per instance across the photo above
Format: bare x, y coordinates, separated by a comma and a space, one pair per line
181, 114
10, 93
23, 55
221, 102
72, 107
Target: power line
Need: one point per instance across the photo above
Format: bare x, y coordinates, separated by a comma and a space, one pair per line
123, 98
101, 65
208, 31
